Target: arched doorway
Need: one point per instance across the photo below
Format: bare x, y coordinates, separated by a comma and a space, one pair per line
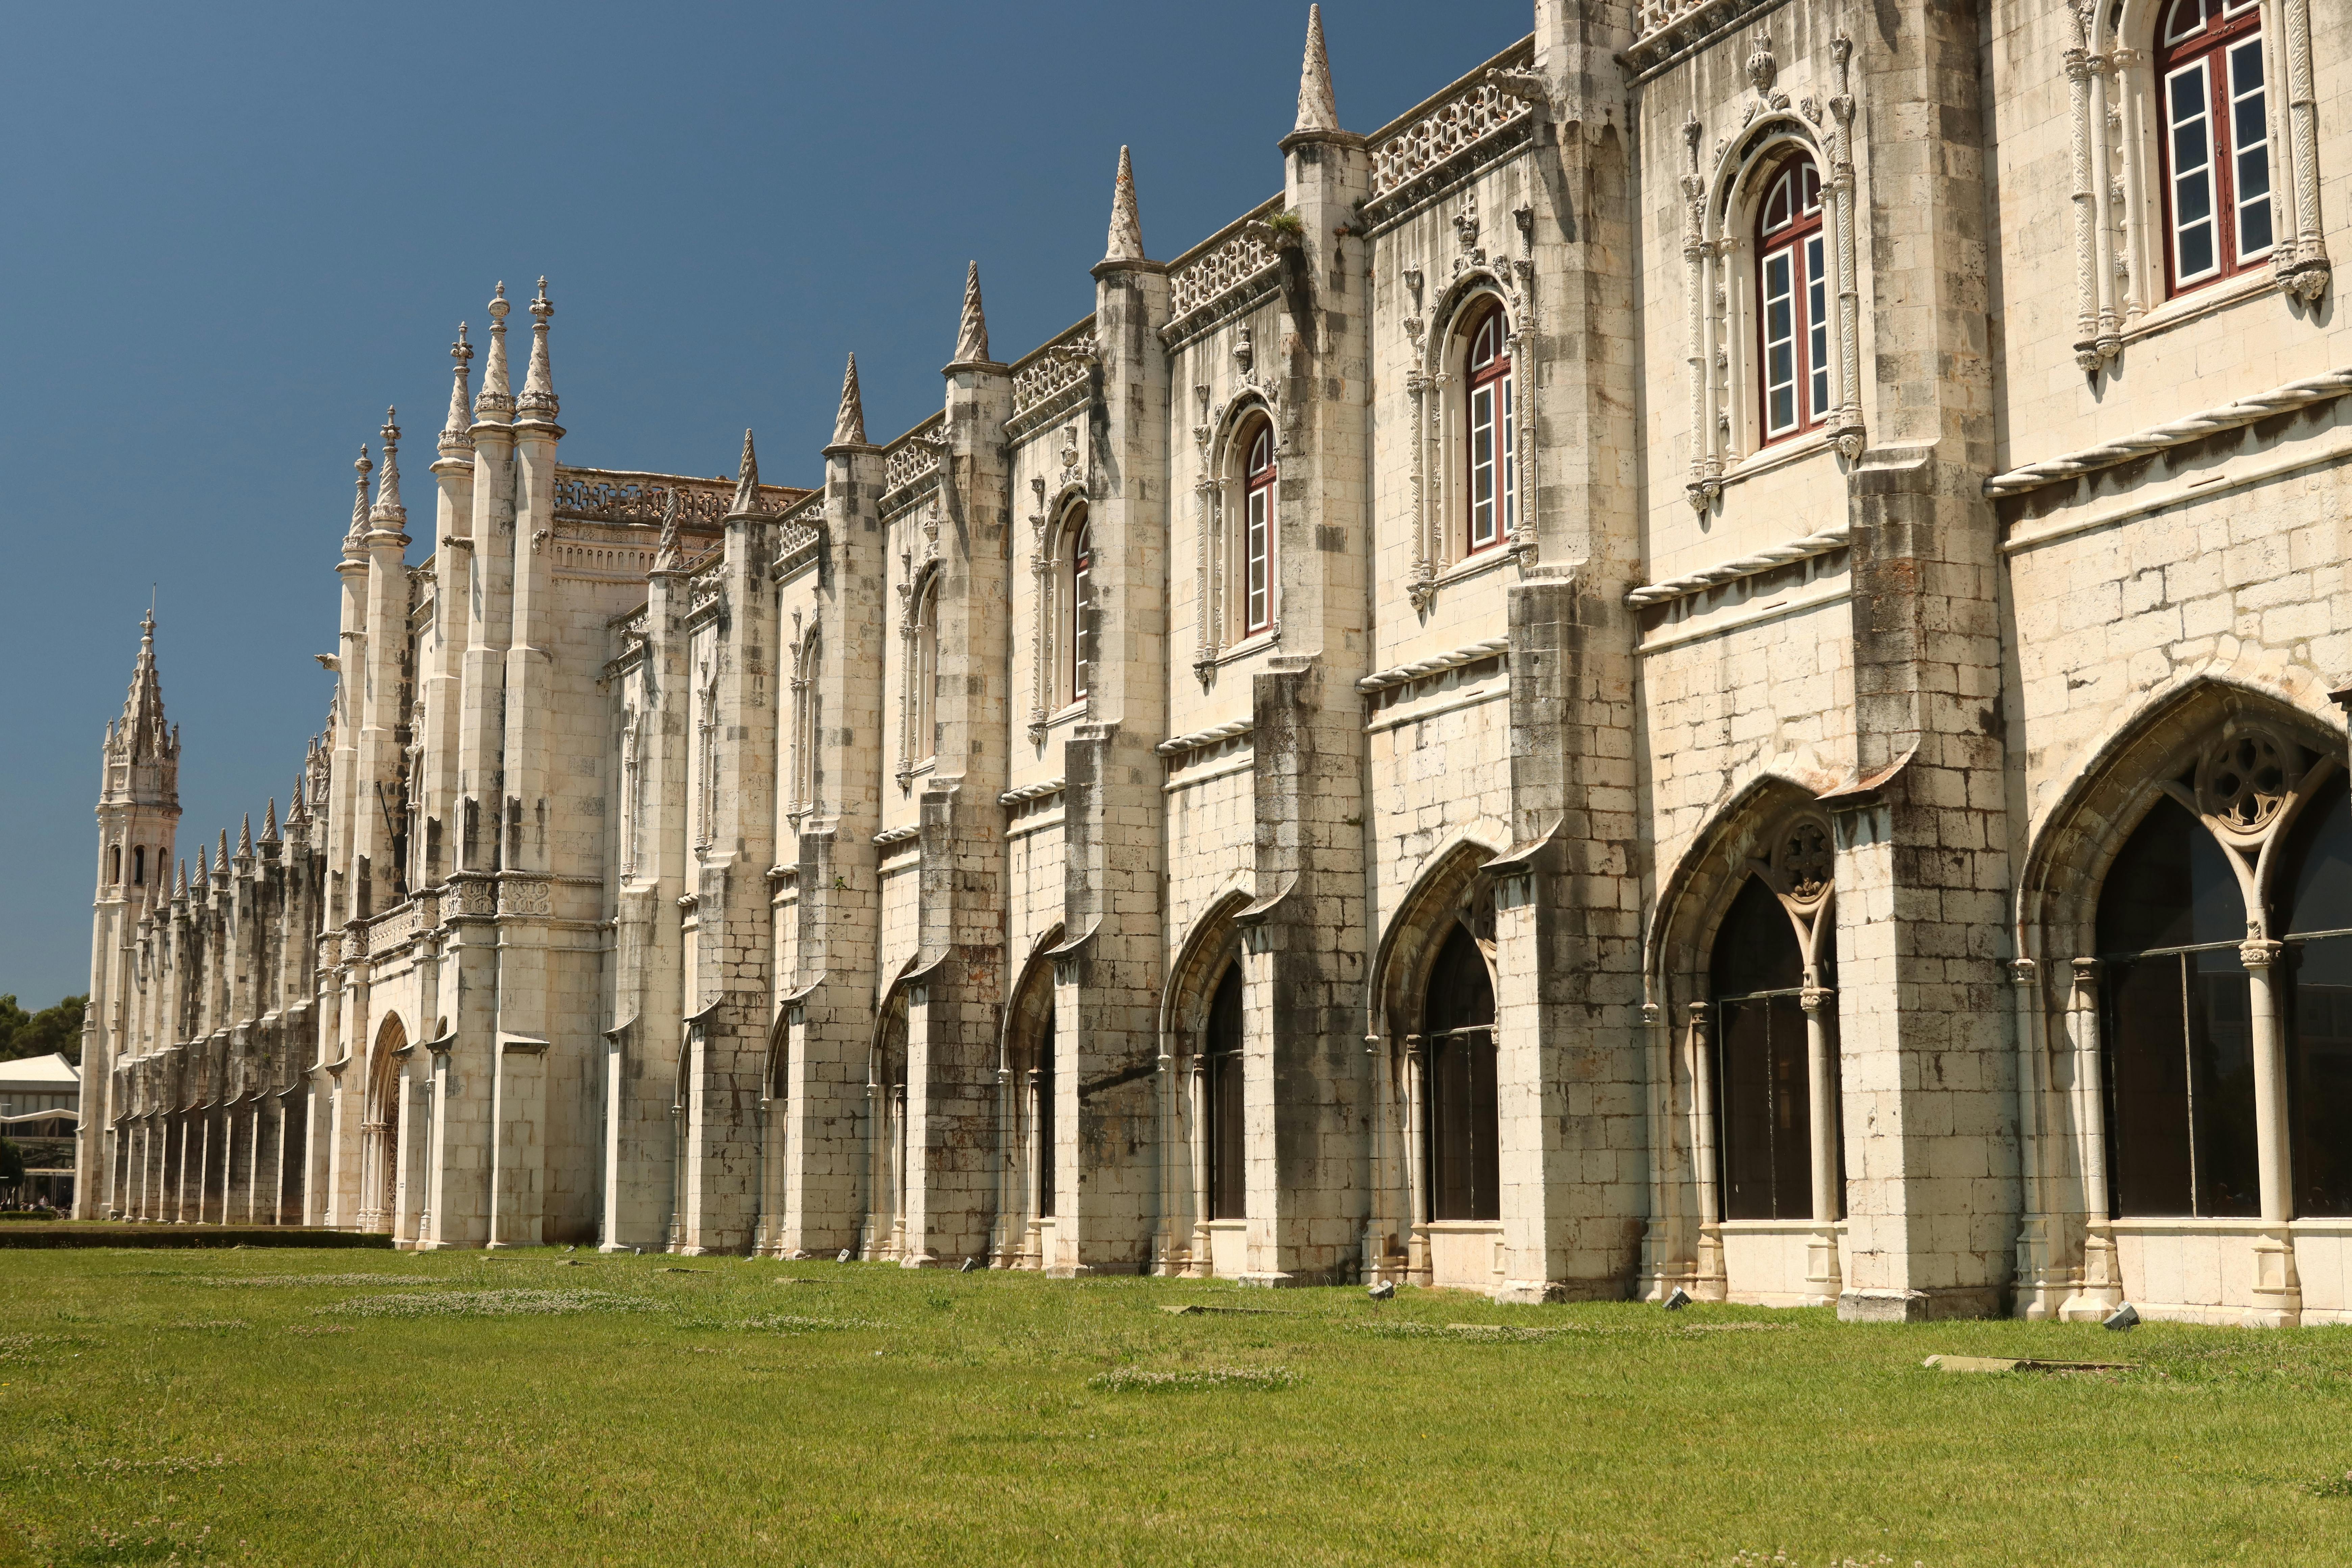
1462, 1143
379, 1128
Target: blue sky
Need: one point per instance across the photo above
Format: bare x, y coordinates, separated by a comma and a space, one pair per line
233, 234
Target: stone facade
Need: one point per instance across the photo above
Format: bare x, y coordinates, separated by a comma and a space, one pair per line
1673, 473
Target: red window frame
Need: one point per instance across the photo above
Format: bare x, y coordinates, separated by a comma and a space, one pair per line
1792, 305
2203, 50
1491, 486
1257, 530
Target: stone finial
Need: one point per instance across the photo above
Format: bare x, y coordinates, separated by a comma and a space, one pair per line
495, 401
220, 861
245, 838
298, 805
363, 467
182, 891
849, 425
388, 511
537, 401
204, 870
1125, 227
971, 333
269, 823
746, 481
1317, 109
669, 555
455, 438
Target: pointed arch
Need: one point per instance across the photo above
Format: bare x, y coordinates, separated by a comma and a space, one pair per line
1427, 913
1714, 862
1199, 962
2070, 845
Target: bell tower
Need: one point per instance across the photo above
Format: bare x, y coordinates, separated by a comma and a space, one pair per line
138, 812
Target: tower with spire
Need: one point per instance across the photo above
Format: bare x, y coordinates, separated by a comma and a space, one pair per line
138, 817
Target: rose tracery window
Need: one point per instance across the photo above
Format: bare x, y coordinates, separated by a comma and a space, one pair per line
2216, 156
1793, 302
1491, 467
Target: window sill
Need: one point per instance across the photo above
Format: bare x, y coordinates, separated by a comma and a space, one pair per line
1249, 647
1461, 1227
1777, 1227
1070, 714
2200, 302
1477, 565
1784, 453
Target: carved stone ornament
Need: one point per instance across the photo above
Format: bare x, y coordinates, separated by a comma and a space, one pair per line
1805, 860
2244, 781
1761, 69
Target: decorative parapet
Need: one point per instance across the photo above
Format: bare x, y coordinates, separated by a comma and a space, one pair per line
912, 458
1235, 258
800, 536
2180, 433
1828, 541
1665, 31
1229, 730
615, 495
1456, 119
1405, 674
1054, 368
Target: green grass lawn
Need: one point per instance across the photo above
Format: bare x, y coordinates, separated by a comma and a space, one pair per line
318, 1408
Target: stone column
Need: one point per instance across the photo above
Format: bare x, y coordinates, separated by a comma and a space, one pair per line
1822, 1281
2278, 1290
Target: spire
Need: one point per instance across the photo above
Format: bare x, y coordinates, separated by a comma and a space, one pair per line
298, 805
388, 513
1126, 228
971, 333
538, 387
849, 425
454, 439
1317, 109
746, 481
496, 403
269, 823
220, 861
181, 892
142, 732
245, 838
358, 500
204, 872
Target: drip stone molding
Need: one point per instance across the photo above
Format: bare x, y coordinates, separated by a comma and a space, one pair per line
1404, 673
1209, 737
1805, 548
890, 835
1031, 792
2180, 433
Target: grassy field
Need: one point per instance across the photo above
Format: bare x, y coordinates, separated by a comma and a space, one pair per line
343, 1407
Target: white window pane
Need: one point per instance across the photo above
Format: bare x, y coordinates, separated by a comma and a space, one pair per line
2250, 148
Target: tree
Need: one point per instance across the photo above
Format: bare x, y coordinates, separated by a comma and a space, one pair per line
12, 1164
56, 1028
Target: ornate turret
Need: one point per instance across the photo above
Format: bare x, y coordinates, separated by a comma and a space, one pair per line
850, 424
539, 401
457, 440
388, 513
495, 404
971, 332
1317, 109
1125, 227
747, 481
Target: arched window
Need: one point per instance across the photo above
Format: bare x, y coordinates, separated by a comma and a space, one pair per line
1494, 491
1221, 1050
2216, 140
1792, 301
114, 865
1042, 1076
1257, 532
2180, 1048
1078, 632
2316, 883
1458, 1025
924, 676
1763, 1114
139, 865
